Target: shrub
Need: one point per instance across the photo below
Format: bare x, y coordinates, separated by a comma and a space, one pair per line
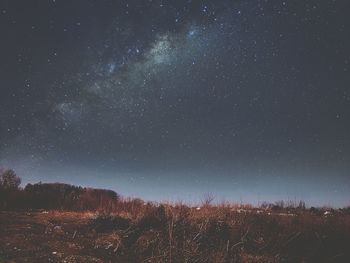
9, 180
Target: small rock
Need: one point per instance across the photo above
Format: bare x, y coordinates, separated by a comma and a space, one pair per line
326, 213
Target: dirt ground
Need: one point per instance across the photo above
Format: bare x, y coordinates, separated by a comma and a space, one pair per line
49, 237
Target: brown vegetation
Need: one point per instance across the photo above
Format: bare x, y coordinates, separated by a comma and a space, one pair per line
108, 228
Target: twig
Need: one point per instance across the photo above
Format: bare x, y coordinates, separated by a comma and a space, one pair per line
171, 238
237, 244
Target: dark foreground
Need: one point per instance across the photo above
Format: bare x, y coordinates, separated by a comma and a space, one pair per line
169, 234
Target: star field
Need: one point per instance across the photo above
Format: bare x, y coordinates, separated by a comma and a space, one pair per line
249, 100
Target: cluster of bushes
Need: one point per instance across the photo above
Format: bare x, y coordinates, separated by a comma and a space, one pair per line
52, 195
284, 205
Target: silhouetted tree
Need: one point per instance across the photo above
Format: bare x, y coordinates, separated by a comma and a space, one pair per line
9, 180
208, 198
9, 183
302, 205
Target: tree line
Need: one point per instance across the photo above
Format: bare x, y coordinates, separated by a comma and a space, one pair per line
52, 195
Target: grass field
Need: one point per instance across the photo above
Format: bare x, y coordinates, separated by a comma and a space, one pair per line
175, 233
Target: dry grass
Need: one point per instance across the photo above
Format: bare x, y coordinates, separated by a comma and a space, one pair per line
143, 232
64, 223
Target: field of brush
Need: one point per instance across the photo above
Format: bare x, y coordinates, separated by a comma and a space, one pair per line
175, 233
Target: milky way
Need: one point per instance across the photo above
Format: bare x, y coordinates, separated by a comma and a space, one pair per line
248, 100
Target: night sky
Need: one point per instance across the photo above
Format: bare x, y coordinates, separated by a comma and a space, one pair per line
168, 100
